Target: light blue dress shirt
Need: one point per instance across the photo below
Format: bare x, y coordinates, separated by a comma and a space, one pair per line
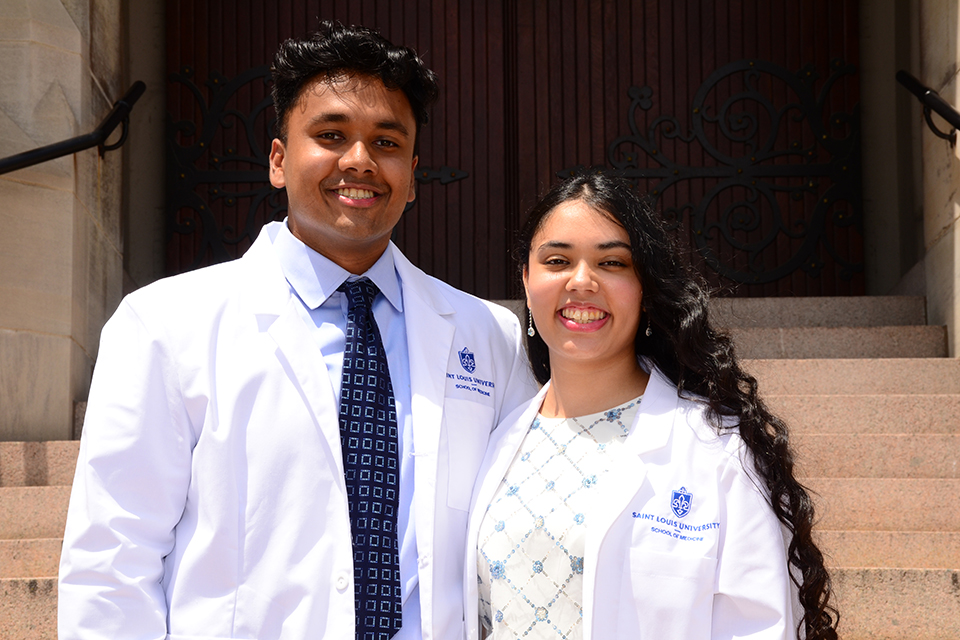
314, 279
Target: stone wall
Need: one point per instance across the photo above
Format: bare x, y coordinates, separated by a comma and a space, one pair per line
939, 61
61, 241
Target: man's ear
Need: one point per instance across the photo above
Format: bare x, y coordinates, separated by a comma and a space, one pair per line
413, 181
277, 154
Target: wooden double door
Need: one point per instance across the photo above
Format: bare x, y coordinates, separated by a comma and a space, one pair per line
738, 117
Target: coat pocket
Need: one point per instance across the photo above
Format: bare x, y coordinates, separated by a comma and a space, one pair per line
666, 595
468, 426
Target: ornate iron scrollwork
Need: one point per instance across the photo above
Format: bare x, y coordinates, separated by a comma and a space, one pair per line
228, 177
750, 158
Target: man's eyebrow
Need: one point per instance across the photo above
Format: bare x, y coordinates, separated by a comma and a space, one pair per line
324, 118
394, 125
339, 118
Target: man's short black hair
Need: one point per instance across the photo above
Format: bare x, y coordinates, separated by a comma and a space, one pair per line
336, 50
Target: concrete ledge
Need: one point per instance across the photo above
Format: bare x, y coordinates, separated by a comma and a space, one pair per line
866, 414
885, 504
898, 604
38, 464
878, 456
854, 377
28, 608
841, 342
30, 558
891, 549
33, 512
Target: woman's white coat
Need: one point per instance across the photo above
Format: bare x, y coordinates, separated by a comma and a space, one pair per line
717, 572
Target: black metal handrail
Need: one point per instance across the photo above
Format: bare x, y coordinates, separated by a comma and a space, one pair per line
97, 138
931, 100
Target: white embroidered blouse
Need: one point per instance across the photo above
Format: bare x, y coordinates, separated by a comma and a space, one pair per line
530, 551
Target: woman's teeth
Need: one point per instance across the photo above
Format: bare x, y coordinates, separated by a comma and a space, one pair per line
583, 316
355, 194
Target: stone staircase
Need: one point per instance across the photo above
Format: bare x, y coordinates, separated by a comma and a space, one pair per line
874, 410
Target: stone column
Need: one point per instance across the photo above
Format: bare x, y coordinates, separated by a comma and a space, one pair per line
61, 241
939, 64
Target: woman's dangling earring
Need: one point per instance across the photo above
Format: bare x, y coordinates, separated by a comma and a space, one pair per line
649, 331
530, 330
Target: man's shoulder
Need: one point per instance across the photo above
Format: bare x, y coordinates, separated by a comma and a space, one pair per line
466, 306
205, 286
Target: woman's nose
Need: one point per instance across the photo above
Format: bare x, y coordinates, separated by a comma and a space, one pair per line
582, 278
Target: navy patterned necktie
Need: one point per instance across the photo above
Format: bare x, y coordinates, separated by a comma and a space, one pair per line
371, 465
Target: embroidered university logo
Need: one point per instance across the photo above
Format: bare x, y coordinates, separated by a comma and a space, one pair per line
467, 361
680, 502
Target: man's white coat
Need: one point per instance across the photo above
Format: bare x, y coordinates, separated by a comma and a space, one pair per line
209, 498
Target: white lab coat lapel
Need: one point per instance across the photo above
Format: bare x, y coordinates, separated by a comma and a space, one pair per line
428, 318
501, 450
268, 298
650, 431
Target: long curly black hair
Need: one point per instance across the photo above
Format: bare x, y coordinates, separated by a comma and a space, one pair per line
701, 361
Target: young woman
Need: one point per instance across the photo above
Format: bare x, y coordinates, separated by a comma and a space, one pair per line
646, 492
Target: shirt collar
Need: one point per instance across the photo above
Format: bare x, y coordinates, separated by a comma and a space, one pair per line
315, 278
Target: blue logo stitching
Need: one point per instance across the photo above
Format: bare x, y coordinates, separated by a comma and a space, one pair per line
680, 502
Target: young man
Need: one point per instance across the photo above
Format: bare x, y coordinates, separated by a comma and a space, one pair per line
223, 489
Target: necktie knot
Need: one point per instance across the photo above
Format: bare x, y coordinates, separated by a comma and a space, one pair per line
360, 293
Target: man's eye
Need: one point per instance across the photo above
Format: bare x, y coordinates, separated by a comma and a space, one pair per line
387, 143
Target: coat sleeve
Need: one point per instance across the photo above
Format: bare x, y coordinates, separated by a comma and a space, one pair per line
129, 489
753, 595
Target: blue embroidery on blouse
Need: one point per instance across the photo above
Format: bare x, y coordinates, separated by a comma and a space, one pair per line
537, 566
499, 526
496, 570
576, 564
578, 518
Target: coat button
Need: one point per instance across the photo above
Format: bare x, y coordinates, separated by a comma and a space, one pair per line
342, 582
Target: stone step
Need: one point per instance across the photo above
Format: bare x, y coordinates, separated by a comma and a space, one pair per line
878, 456
856, 376
885, 504
841, 342
34, 464
874, 604
853, 311
37, 558
868, 414
28, 608
898, 604
891, 549
33, 512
